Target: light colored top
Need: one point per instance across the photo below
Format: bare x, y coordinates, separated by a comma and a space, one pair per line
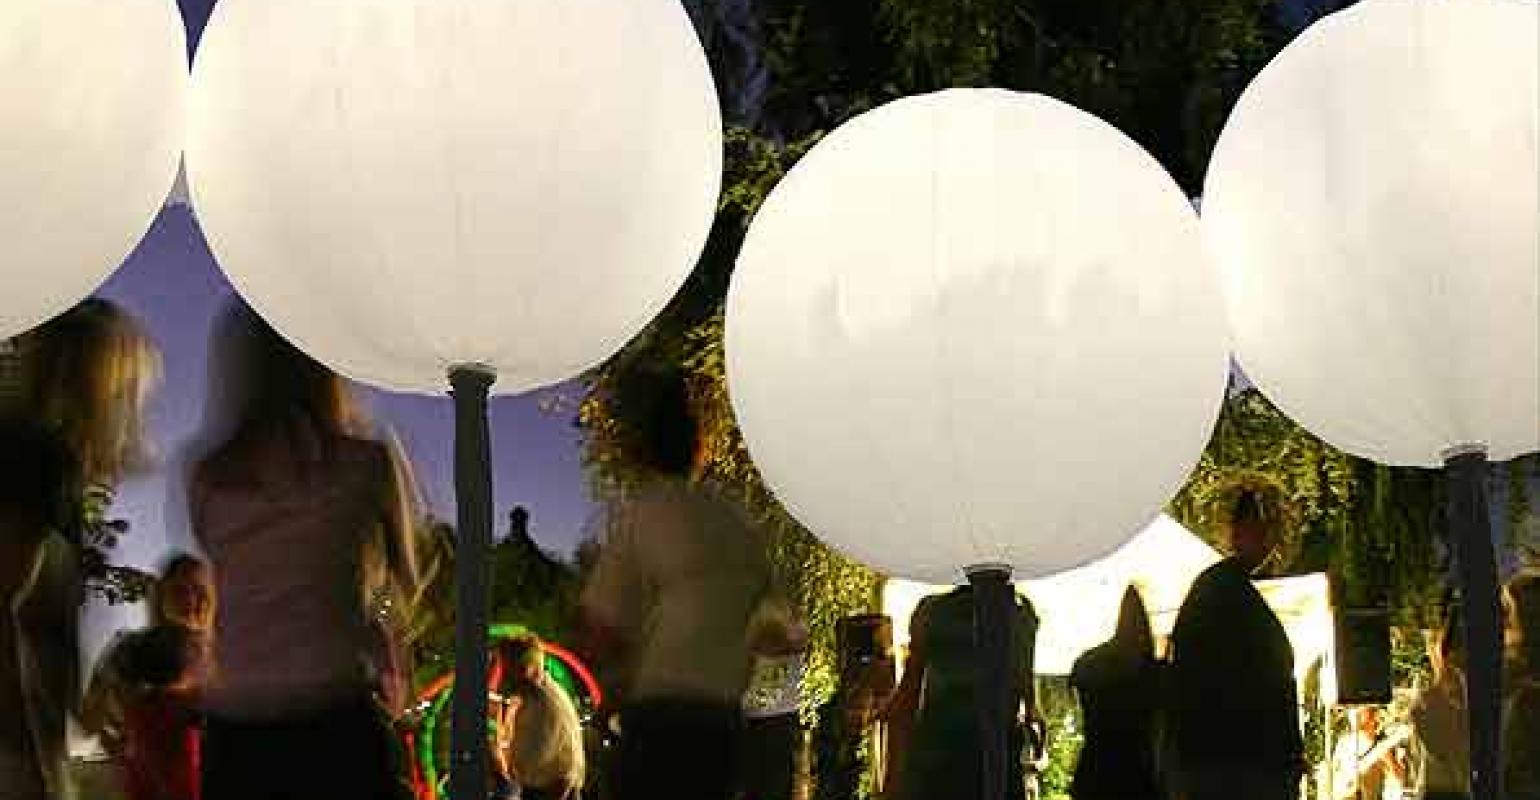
680, 573
547, 747
292, 632
775, 686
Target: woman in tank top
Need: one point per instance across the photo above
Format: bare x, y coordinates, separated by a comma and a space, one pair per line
305, 517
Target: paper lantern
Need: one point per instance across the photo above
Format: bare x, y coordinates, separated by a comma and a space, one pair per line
975, 327
401, 187
91, 103
1372, 203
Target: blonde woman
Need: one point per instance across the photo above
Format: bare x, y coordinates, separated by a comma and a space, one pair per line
306, 516
84, 379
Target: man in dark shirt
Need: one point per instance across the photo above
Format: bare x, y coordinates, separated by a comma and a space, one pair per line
1234, 713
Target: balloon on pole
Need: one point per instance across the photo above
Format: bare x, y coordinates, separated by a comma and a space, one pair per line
973, 334
1374, 207
493, 193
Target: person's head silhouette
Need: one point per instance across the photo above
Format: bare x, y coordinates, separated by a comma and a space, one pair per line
1252, 532
659, 430
1133, 633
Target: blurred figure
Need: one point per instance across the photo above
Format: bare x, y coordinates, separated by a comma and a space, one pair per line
937, 694
1119, 687
1235, 713
679, 577
183, 597
35, 473
539, 746
306, 517
74, 426
161, 672
1368, 761
1440, 722
1521, 712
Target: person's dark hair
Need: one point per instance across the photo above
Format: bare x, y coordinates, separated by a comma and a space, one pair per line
1134, 636
1248, 509
158, 656
39, 477
658, 427
262, 386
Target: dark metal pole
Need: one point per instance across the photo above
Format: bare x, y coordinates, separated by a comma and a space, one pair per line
1470, 530
994, 606
473, 495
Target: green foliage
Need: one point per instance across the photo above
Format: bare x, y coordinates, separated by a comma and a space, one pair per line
1066, 735
114, 583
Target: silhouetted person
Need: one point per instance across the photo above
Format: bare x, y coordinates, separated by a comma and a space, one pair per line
306, 516
939, 688
680, 575
1234, 713
1119, 687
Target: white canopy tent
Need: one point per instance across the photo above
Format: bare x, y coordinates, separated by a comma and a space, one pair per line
1078, 609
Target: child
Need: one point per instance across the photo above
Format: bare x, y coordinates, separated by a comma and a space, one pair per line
161, 747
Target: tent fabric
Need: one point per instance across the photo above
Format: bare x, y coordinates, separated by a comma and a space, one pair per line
1079, 608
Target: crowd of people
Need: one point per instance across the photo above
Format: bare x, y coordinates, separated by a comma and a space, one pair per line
267, 670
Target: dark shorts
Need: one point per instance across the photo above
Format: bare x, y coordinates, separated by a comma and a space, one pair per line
347, 752
679, 749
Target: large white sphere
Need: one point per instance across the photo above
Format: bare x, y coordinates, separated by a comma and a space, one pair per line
91, 104
403, 186
975, 327
1373, 203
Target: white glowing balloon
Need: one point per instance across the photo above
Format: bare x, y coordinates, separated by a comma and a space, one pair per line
404, 186
91, 103
975, 327
1373, 203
